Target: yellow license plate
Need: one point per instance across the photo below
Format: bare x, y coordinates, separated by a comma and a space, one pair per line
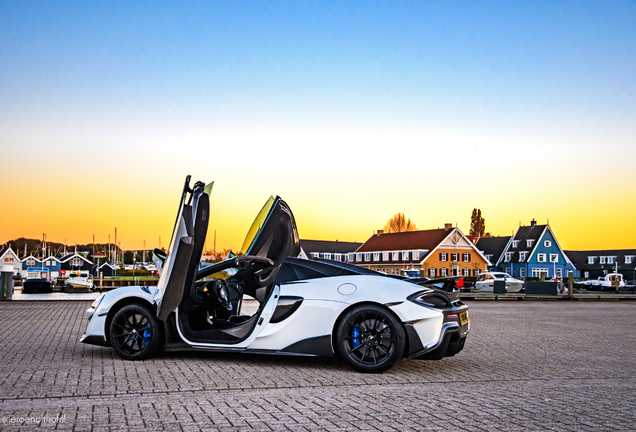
463, 317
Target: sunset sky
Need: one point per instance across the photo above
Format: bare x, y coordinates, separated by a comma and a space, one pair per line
350, 111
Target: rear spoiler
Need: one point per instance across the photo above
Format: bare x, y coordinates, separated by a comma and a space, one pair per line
448, 284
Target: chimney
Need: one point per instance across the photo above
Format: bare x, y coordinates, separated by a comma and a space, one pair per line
380, 232
533, 223
448, 226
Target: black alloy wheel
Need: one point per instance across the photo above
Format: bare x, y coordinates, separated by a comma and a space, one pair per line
370, 339
135, 333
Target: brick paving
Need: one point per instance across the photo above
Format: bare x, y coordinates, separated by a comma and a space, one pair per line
526, 366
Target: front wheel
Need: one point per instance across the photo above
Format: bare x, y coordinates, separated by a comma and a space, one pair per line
370, 339
135, 333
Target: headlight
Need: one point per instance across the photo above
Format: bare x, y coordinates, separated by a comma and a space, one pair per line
97, 301
430, 299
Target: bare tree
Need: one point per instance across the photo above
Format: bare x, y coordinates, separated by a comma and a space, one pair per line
399, 223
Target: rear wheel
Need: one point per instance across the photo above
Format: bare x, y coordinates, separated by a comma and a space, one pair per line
135, 333
370, 339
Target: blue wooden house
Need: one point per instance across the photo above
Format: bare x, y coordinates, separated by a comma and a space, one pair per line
534, 250
52, 264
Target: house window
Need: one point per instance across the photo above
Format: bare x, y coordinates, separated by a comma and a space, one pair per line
454, 256
367, 256
351, 257
443, 256
508, 270
515, 243
405, 256
602, 261
489, 257
540, 258
328, 256
536, 272
396, 256
376, 256
416, 255
466, 257
522, 256
522, 272
337, 257
508, 256
431, 272
359, 257
610, 259
475, 272
629, 259
76, 262
442, 271
559, 273
554, 258
587, 275
8, 260
466, 272
547, 243
529, 243
591, 259
385, 256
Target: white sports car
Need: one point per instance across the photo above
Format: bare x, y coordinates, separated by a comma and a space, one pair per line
306, 307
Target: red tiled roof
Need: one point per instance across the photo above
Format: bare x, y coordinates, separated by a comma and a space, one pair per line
410, 240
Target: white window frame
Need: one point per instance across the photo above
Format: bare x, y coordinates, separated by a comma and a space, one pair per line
327, 256
536, 272
367, 256
559, 272
405, 253
385, 256
443, 256
396, 255
523, 256
540, 258
489, 257
359, 257
466, 272
443, 271
416, 255
529, 243
591, 259
629, 259
611, 259
465, 257
515, 243
602, 260
586, 274
431, 272
508, 257
454, 256
547, 243
376, 256
522, 272
351, 257
554, 258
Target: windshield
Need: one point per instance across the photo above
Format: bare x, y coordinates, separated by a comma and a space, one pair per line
256, 227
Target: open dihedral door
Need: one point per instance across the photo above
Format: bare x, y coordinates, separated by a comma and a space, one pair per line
185, 249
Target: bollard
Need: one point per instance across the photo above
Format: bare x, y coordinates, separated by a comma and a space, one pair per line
571, 286
6, 283
101, 281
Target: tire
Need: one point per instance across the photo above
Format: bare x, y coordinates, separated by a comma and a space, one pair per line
370, 339
135, 333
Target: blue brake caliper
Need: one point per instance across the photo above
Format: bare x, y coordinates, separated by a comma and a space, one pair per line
146, 334
356, 335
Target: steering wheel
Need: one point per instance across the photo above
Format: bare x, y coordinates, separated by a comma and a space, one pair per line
222, 293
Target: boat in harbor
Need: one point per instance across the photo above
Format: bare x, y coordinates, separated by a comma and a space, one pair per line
604, 283
78, 282
37, 281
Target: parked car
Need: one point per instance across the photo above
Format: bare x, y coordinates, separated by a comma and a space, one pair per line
307, 307
486, 282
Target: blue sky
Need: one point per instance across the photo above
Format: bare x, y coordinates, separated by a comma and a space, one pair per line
400, 100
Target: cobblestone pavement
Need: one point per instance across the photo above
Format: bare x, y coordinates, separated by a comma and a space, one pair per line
526, 366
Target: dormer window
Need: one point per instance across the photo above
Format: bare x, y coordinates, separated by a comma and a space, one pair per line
359, 257
416, 255
508, 257
522, 256
515, 243
489, 257
629, 259
602, 260
547, 243
405, 256
351, 257
385, 256
591, 259
367, 256
376, 256
396, 256
610, 259
529, 243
